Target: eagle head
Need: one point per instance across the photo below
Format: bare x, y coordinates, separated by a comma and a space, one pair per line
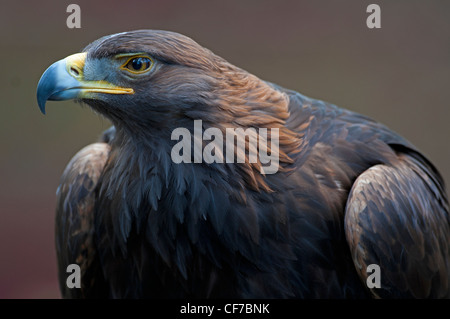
151, 80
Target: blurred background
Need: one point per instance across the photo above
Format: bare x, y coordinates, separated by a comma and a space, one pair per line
399, 75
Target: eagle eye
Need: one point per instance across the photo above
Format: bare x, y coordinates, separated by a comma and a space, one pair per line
138, 64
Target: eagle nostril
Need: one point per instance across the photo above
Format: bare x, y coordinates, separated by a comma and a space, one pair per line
74, 71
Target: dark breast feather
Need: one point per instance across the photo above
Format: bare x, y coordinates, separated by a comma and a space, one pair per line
165, 230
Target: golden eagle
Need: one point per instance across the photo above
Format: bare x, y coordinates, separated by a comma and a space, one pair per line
348, 193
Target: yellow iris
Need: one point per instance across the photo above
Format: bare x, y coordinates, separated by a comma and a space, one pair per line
138, 64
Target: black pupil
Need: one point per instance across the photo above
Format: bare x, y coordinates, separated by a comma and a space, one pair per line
138, 63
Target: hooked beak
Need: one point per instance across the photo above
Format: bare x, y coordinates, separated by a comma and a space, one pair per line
64, 80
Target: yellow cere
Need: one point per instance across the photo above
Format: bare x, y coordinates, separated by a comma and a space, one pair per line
75, 65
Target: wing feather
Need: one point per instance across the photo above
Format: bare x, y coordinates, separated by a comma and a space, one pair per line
396, 217
75, 242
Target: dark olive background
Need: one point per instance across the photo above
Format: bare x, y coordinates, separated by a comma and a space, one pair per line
399, 75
